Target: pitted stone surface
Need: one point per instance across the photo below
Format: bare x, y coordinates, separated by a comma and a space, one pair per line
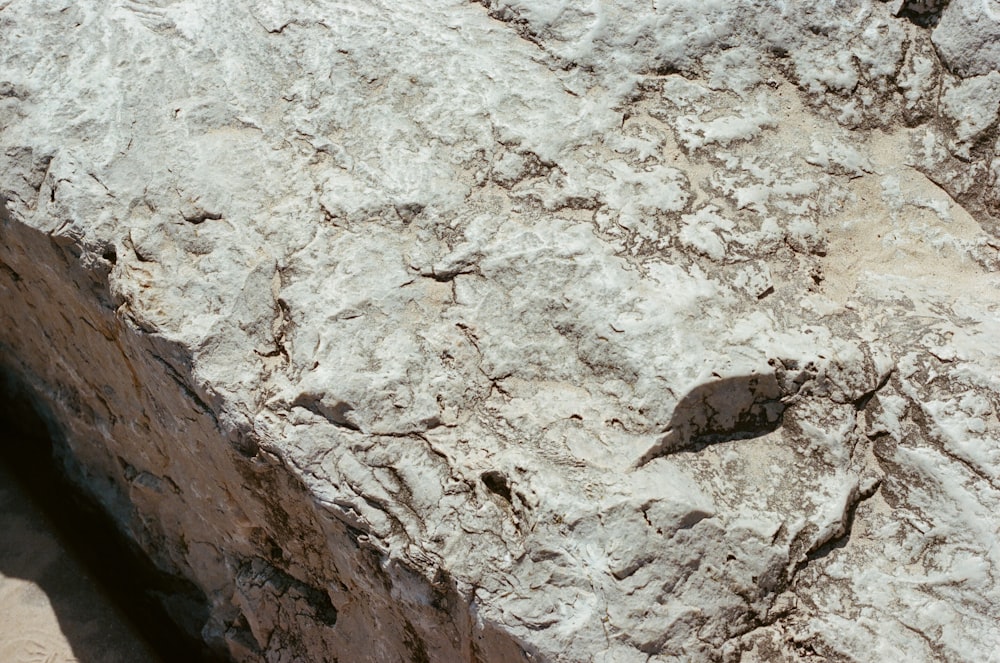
519, 330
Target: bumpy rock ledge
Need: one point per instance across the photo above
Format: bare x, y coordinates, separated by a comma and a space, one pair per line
511, 331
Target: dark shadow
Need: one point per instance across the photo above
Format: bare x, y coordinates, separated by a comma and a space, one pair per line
85, 537
925, 13
52, 608
725, 409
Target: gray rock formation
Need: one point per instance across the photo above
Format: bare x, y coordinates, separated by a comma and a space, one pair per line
966, 37
610, 331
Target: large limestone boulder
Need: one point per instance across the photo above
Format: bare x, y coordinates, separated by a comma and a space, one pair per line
441, 331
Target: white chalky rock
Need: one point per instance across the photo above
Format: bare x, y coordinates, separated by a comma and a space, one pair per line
620, 331
966, 36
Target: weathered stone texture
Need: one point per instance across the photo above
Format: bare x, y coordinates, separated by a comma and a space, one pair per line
624, 331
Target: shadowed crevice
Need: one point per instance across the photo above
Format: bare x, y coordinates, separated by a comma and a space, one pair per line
147, 597
925, 13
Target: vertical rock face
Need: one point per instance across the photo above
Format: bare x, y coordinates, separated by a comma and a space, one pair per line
518, 331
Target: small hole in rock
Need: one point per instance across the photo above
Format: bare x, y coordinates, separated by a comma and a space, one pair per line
925, 13
497, 484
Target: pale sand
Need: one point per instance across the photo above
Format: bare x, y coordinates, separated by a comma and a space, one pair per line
51, 611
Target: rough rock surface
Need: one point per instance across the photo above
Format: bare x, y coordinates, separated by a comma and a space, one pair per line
521, 330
